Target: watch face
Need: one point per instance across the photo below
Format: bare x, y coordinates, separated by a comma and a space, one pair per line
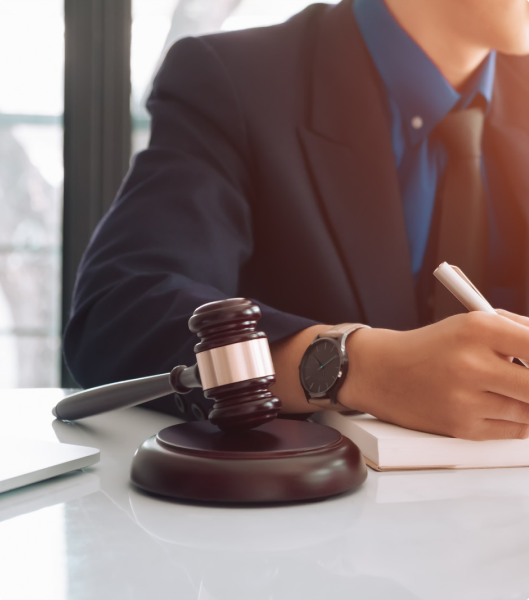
320, 366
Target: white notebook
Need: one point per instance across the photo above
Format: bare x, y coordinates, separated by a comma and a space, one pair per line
25, 461
389, 447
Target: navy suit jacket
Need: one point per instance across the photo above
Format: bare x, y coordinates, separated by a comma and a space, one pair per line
269, 175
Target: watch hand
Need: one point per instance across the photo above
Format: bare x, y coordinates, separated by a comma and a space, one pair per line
312, 356
322, 366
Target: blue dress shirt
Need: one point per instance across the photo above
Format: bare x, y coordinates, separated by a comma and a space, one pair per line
419, 97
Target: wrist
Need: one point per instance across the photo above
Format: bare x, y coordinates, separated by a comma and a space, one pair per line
324, 366
352, 393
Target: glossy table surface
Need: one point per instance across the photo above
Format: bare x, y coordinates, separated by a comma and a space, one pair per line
428, 535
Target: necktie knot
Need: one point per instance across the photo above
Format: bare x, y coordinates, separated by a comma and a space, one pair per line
461, 132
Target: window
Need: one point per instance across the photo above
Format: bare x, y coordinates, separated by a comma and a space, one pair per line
111, 62
31, 175
157, 24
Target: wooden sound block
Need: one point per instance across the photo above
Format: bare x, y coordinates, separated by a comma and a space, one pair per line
280, 461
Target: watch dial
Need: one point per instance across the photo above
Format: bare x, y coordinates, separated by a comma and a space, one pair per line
320, 366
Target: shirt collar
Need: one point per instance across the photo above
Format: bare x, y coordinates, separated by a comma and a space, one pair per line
421, 93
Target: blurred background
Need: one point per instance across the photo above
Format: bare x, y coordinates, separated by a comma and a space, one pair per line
74, 77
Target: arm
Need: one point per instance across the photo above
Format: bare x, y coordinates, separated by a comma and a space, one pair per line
452, 378
176, 237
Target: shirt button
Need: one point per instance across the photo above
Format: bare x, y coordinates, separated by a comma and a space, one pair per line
417, 122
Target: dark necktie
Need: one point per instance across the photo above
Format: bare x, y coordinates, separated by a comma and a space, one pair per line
463, 223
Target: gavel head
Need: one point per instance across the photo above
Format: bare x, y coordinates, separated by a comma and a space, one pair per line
235, 364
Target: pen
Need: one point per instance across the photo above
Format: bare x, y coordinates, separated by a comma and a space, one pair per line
464, 290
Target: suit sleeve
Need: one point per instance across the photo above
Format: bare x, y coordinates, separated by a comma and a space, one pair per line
177, 235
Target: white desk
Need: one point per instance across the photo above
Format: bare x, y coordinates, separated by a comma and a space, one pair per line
459, 535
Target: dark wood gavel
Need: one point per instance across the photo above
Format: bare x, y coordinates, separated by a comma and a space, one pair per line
241, 453
234, 368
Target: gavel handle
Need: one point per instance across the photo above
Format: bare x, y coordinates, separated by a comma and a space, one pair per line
125, 394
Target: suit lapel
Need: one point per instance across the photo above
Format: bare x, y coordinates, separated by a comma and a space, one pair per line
348, 147
507, 137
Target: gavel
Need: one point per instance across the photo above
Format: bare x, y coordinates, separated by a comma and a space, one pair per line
242, 453
234, 368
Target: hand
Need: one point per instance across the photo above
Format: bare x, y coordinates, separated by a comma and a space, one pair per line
453, 378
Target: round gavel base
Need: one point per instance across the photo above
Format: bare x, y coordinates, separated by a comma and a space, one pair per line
281, 461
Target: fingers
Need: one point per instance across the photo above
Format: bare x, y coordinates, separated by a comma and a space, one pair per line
502, 430
514, 317
508, 380
506, 335
497, 407
505, 419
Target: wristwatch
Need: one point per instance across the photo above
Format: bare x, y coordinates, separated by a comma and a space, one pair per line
324, 366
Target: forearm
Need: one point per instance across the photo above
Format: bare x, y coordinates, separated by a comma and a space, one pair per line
286, 355
452, 378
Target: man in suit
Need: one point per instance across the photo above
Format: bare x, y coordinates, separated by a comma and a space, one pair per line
309, 166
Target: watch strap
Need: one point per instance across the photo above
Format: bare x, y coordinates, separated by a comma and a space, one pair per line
345, 329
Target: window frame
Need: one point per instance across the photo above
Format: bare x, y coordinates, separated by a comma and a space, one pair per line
97, 126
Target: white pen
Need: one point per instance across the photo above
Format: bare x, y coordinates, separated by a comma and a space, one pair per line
464, 290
